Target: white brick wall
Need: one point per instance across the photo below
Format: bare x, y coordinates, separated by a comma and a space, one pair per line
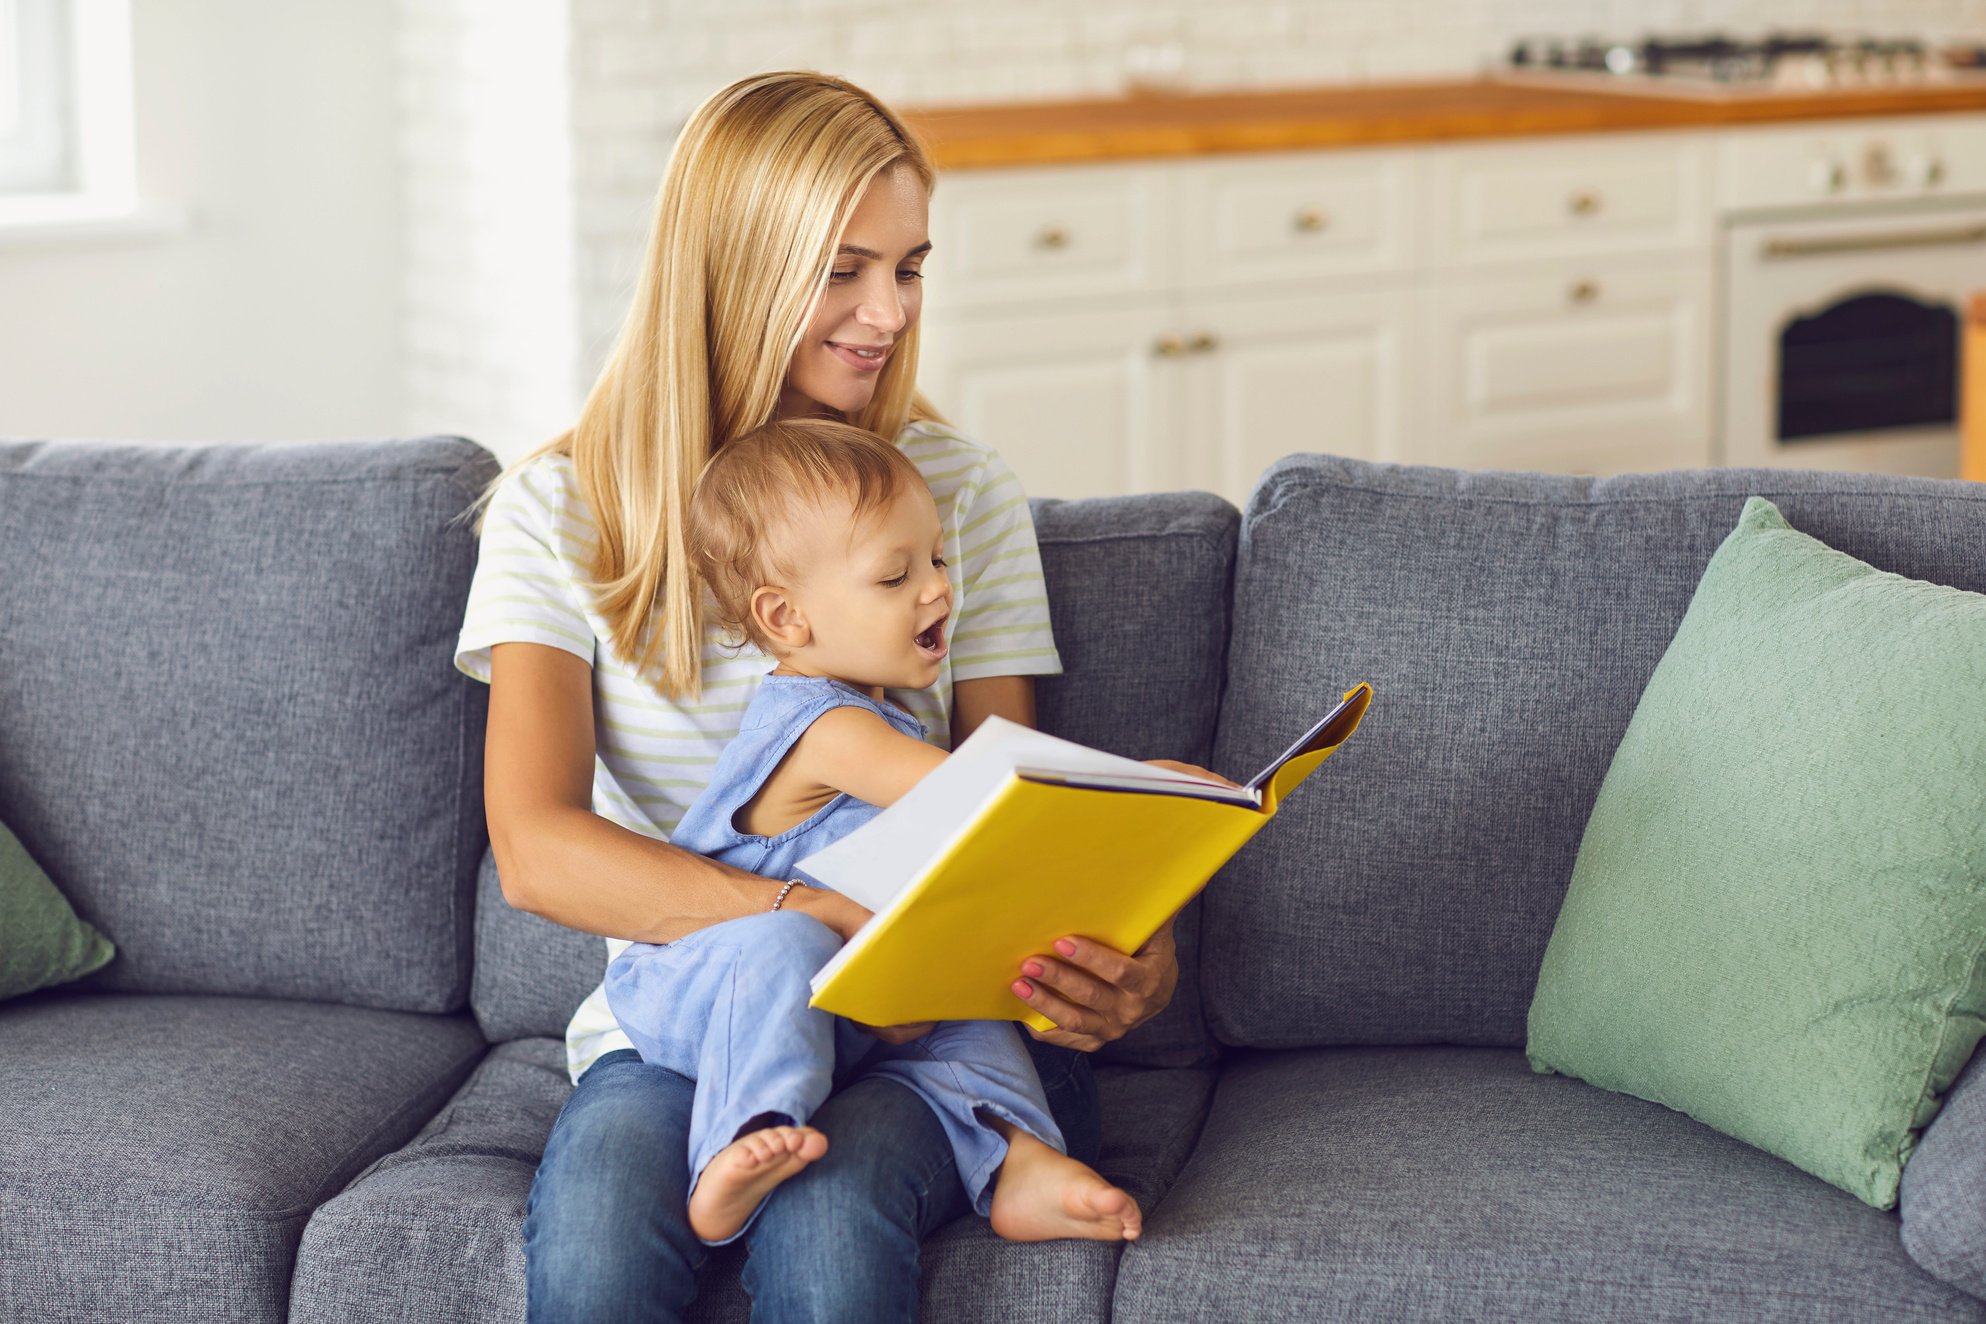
490, 294
618, 77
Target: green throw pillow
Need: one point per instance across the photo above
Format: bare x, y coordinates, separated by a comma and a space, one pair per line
42, 941
1778, 915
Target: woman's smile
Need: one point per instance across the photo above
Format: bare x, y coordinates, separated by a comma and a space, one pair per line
862, 358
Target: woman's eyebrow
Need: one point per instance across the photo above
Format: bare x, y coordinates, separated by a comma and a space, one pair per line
855, 250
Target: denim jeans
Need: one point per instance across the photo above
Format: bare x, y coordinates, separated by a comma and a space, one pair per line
606, 1231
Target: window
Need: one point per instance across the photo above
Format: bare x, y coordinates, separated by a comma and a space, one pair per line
37, 98
65, 111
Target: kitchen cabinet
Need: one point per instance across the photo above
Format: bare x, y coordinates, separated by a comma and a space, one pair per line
1144, 326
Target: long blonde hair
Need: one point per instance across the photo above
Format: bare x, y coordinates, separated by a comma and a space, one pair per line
758, 191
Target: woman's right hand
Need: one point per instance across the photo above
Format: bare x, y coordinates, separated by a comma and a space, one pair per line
845, 917
830, 908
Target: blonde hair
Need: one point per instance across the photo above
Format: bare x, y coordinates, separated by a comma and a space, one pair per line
759, 486
759, 189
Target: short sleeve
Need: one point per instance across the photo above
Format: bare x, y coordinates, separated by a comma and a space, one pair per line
528, 587
1002, 627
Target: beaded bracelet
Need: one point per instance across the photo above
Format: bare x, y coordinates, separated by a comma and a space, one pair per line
780, 900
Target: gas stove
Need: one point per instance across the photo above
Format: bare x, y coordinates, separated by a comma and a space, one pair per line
1720, 66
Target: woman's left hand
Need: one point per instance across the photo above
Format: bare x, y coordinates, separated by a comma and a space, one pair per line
1096, 994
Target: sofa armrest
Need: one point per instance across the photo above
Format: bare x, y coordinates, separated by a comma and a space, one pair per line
1944, 1187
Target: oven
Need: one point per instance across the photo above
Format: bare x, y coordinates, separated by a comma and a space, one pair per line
1842, 337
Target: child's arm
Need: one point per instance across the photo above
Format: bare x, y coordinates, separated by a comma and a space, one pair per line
858, 753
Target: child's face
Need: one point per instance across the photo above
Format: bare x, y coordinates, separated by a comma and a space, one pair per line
876, 602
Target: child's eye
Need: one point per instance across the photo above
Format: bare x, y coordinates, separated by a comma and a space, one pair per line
938, 561
897, 582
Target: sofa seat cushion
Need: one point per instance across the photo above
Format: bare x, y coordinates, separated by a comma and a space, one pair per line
1453, 1183
163, 1153
395, 1244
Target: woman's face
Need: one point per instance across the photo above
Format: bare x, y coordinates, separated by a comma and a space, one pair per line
872, 299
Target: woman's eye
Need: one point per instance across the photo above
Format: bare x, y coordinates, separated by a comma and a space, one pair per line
842, 275
908, 276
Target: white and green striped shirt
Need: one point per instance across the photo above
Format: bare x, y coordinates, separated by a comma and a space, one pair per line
654, 755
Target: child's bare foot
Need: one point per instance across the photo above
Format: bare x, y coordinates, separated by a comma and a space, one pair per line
744, 1172
1042, 1195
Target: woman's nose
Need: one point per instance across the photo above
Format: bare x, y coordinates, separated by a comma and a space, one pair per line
882, 308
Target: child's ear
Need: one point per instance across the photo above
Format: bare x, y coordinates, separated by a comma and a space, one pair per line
779, 619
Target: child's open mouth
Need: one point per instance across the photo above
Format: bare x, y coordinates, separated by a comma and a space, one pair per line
932, 640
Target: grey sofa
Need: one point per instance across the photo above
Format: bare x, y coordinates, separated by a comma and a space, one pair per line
317, 1079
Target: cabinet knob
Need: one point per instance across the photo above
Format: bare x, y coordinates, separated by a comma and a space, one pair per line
1052, 237
1170, 347
1203, 343
1829, 176
1878, 167
1584, 203
1310, 220
1583, 291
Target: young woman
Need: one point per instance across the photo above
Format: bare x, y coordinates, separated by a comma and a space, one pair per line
782, 279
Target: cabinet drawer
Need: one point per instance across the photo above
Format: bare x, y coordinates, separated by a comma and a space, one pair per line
1268, 220
1571, 372
1576, 197
1022, 236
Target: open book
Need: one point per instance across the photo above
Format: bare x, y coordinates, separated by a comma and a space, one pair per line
1018, 839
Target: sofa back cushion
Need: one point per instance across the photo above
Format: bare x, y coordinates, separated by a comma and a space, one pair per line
1508, 624
1138, 590
230, 727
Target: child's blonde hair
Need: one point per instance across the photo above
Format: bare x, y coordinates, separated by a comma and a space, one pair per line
757, 487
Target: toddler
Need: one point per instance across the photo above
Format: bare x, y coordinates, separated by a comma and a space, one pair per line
822, 545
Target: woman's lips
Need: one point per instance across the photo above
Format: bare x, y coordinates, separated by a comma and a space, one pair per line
848, 355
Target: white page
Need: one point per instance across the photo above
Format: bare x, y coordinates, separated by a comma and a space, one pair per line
877, 861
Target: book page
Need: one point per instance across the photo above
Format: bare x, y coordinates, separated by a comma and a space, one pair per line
878, 860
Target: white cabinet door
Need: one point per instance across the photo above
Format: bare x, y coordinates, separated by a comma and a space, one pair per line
1079, 403
1267, 377
1571, 372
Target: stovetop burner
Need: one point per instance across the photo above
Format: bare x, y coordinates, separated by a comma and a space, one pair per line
1720, 64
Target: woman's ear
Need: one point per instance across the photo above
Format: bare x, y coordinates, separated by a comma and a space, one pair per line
779, 619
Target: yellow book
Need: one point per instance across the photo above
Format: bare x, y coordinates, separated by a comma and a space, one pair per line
1020, 838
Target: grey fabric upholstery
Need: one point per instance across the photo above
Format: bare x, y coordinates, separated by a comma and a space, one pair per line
162, 1153
1138, 587
232, 731
395, 1244
1453, 1184
1943, 1200
1508, 623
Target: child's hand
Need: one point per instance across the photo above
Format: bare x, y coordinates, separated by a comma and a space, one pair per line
900, 1034
1190, 769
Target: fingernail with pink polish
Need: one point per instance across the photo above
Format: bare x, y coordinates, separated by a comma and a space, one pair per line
1031, 968
1064, 946
1023, 989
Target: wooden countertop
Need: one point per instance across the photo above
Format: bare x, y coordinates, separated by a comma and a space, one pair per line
1198, 124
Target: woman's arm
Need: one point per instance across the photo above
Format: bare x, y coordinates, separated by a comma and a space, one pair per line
559, 859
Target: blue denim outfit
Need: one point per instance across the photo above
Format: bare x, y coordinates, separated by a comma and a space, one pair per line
727, 1005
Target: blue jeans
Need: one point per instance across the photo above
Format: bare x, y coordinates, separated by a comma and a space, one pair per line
728, 1007
607, 1235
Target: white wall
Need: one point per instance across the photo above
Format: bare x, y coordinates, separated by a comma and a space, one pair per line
275, 312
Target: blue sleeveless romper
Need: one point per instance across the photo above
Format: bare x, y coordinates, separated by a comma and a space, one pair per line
727, 1005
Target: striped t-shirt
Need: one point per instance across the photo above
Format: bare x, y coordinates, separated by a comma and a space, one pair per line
654, 755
